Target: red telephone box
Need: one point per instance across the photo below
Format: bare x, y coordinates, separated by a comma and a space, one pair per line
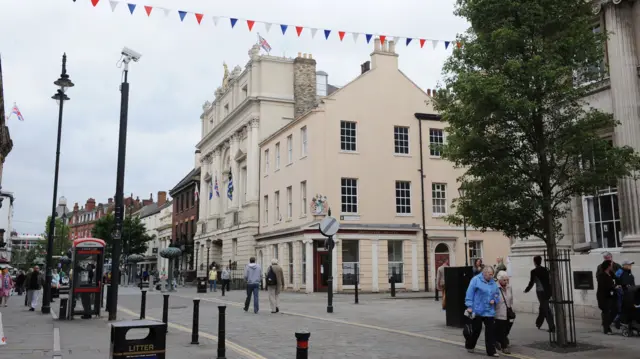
87, 261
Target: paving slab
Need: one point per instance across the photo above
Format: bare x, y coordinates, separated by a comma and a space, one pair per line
29, 334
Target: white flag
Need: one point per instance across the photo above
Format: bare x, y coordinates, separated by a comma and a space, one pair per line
397, 39
435, 43
355, 36
166, 12
113, 5
215, 20
267, 26
313, 33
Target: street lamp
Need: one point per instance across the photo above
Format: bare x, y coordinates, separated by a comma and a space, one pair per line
197, 249
63, 84
208, 249
461, 191
202, 249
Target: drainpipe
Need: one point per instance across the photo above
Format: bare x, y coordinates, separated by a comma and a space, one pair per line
425, 236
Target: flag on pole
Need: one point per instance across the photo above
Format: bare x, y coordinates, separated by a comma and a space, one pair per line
210, 191
217, 188
264, 44
230, 187
16, 111
196, 192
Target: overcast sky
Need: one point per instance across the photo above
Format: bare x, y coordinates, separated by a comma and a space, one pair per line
180, 69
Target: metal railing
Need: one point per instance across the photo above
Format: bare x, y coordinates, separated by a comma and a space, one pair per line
350, 273
564, 300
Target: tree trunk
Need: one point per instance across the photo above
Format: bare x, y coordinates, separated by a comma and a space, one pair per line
557, 292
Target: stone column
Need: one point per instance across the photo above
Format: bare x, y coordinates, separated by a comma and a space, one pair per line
308, 243
374, 267
415, 281
253, 161
235, 173
203, 201
216, 172
625, 94
334, 265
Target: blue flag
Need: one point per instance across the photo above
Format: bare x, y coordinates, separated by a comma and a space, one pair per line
230, 187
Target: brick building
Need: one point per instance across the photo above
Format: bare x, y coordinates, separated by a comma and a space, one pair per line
185, 217
82, 219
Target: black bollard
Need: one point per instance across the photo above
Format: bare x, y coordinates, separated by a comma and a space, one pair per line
392, 280
143, 304
165, 311
108, 296
302, 345
221, 332
196, 319
224, 284
64, 302
357, 280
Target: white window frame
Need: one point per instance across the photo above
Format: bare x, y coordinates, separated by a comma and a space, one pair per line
276, 200
351, 263
475, 253
392, 264
436, 201
432, 152
266, 161
303, 198
289, 202
588, 210
266, 209
289, 149
353, 184
398, 143
303, 141
400, 188
277, 156
344, 138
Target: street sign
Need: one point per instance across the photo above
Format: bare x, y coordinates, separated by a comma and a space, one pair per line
329, 226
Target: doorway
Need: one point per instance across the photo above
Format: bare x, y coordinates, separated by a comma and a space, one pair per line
441, 255
321, 271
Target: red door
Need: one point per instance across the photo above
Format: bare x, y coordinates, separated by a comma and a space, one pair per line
320, 271
440, 258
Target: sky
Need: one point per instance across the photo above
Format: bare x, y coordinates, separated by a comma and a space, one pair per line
180, 68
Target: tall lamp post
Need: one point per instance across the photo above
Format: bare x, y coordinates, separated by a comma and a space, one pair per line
208, 249
127, 56
63, 84
197, 249
202, 249
461, 192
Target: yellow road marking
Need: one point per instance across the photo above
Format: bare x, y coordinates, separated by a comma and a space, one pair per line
361, 325
233, 346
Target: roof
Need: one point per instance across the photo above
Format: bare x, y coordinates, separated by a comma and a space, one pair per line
151, 209
331, 89
193, 176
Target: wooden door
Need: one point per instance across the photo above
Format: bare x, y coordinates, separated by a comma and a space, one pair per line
321, 271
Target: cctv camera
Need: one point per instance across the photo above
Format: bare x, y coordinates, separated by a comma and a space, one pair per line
135, 56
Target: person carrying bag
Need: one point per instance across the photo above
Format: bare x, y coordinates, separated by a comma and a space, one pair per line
505, 316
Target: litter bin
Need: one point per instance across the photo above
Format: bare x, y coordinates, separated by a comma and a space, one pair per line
202, 285
153, 346
456, 281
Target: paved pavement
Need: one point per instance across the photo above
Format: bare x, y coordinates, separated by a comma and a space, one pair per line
29, 334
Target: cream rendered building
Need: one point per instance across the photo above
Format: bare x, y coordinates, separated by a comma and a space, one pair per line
610, 220
358, 153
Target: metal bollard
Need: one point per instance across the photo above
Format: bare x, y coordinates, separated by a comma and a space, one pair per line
143, 304
196, 320
64, 302
165, 311
221, 332
392, 280
302, 345
224, 284
357, 280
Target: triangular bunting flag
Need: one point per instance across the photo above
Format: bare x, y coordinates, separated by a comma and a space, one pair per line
326, 34
233, 22
199, 18
95, 2
434, 43
368, 36
355, 36
250, 24
446, 44
382, 37
113, 4
182, 14
408, 41
341, 34
458, 44
215, 20
313, 33
132, 7
267, 26
284, 28
166, 12
422, 41
148, 10
397, 39
299, 30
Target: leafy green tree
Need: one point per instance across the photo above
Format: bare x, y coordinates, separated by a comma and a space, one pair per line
519, 126
61, 241
134, 237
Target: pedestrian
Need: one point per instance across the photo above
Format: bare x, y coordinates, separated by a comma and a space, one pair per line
605, 294
504, 313
253, 276
500, 266
540, 277
607, 256
6, 283
34, 283
481, 300
213, 276
441, 284
275, 282
27, 297
225, 276
20, 282
625, 280
477, 266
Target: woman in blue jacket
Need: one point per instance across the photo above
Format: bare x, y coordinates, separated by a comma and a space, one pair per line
481, 299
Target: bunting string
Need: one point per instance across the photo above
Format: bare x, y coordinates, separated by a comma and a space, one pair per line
299, 30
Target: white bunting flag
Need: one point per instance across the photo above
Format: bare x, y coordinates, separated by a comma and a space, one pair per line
267, 26
434, 43
113, 4
313, 33
215, 20
355, 36
397, 39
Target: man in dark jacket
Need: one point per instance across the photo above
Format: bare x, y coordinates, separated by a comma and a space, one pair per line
540, 277
34, 282
606, 295
607, 256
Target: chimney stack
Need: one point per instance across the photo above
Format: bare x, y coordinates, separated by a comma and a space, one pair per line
110, 201
304, 84
90, 205
75, 207
162, 198
366, 66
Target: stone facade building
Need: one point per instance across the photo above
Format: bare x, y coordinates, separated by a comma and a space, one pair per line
151, 216
608, 220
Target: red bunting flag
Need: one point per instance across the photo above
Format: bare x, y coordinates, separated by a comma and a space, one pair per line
148, 10
341, 34
382, 37
299, 30
458, 44
95, 2
199, 18
250, 24
422, 41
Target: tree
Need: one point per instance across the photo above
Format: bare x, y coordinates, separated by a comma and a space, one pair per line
519, 126
61, 241
134, 234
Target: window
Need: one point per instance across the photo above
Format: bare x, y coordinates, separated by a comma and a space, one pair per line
347, 136
349, 187
602, 216
275, 251
401, 140
234, 248
303, 198
266, 161
436, 138
321, 84
403, 197
303, 141
439, 198
289, 202
304, 263
350, 259
277, 204
277, 156
289, 149
266, 209
290, 247
394, 248
475, 250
